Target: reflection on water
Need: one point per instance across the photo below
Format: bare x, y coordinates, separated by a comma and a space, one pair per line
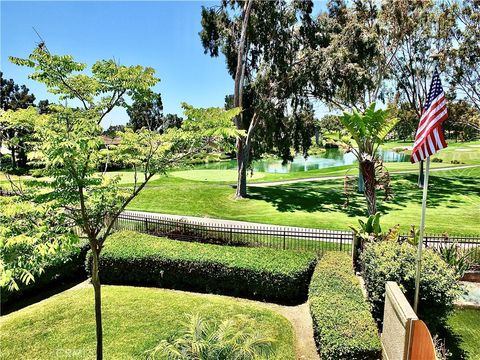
330, 158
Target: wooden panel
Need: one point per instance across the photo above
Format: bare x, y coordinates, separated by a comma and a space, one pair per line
422, 347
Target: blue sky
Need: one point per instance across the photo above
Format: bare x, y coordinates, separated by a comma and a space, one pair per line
163, 35
160, 34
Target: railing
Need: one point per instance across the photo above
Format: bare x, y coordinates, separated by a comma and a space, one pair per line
469, 244
278, 237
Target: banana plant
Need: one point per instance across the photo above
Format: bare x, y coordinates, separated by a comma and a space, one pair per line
369, 230
368, 131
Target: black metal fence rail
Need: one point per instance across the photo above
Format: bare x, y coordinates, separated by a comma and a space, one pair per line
302, 239
470, 245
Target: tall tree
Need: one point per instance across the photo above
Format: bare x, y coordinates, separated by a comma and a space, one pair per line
15, 97
260, 41
463, 58
146, 113
426, 33
70, 143
19, 128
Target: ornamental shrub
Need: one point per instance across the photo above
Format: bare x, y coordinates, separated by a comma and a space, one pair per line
390, 261
343, 325
131, 258
62, 267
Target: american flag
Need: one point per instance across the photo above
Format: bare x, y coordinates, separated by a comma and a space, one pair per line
429, 138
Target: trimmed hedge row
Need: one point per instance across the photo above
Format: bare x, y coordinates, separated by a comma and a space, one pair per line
131, 258
343, 325
64, 267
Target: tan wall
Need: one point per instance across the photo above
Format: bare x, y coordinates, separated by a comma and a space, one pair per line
397, 318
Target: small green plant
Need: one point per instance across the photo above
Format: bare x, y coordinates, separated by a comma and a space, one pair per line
233, 338
455, 256
369, 230
413, 235
437, 160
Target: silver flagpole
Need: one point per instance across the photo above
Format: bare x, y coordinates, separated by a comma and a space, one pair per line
420, 239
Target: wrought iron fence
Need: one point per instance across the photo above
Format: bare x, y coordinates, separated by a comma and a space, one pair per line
278, 237
470, 245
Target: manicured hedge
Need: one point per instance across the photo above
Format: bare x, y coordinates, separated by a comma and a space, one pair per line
62, 267
132, 258
343, 325
389, 261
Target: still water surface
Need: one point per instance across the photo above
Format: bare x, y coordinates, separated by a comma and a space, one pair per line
330, 158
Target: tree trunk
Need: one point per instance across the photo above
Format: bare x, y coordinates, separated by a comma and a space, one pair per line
242, 147
98, 302
242, 163
14, 159
22, 158
421, 175
361, 182
317, 136
368, 172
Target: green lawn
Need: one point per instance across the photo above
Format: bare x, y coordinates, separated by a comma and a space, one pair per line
453, 207
453, 202
464, 340
135, 320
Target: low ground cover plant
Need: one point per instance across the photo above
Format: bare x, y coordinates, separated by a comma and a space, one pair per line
390, 261
234, 338
260, 273
343, 325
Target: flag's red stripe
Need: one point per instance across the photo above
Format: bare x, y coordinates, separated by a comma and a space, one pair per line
433, 105
434, 122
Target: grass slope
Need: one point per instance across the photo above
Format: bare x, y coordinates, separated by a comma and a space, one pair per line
453, 202
135, 320
465, 325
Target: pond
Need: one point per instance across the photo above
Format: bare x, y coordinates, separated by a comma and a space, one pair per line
330, 158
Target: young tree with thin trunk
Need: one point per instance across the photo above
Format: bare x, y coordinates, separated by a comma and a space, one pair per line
70, 143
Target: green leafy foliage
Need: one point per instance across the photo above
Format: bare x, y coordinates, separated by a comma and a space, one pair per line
368, 130
69, 145
455, 256
344, 327
234, 338
390, 261
262, 273
30, 235
17, 132
65, 265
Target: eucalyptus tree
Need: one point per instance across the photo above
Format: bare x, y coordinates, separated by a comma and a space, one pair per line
261, 42
462, 60
70, 142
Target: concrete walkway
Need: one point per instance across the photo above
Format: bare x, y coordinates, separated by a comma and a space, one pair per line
323, 178
233, 223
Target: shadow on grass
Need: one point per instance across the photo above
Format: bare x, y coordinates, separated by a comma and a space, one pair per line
328, 195
453, 344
